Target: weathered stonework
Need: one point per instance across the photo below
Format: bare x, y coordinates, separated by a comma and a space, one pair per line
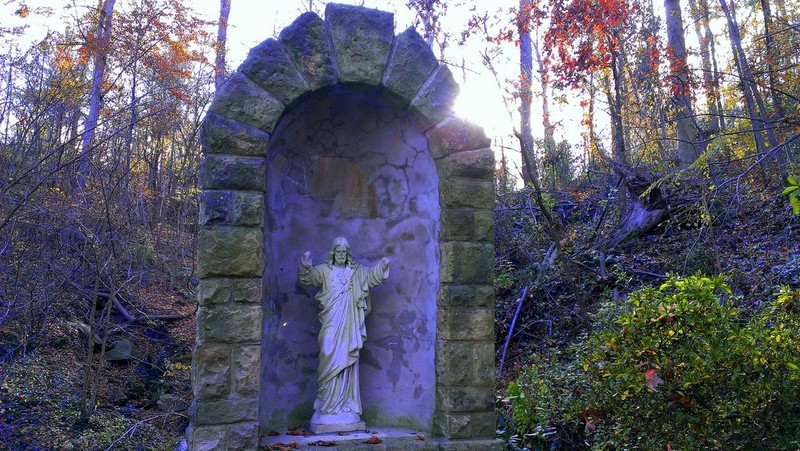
226, 136
242, 100
410, 65
361, 39
381, 154
269, 67
434, 100
306, 41
230, 251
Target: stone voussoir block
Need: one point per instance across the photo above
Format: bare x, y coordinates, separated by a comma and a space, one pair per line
226, 411
465, 425
211, 368
465, 363
410, 64
230, 172
242, 100
459, 192
475, 164
268, 66
307, 44
362, 39
236, 208
466, 262
456, 135
229, 323
230, 251
219, 134
435, 99
465, 324
465, 399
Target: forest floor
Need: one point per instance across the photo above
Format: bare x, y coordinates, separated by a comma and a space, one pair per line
754, 241
141, 402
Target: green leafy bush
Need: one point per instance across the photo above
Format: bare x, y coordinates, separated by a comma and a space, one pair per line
680, 366
793, 191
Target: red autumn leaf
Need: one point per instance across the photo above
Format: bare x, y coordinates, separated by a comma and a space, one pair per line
373, 440
23, 11
652, 381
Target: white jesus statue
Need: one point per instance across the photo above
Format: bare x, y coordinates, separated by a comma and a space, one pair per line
344, 304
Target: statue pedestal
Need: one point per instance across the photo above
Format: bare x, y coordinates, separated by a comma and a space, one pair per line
322, 423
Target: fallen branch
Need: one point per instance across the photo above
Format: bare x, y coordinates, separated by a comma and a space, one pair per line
520, 300
132, 430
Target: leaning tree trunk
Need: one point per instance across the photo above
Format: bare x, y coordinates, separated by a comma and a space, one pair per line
700, 19
755, 105
772, 69
102, 39
222, 38
687, 128
530, 173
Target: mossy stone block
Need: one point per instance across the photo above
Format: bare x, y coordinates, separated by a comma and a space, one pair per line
242, 100
271, 68
228, 172
362, 39
307, 44
229, 323
466, 262
218, 134
434, 100
211, 367
411, 63
230, 251
459, 192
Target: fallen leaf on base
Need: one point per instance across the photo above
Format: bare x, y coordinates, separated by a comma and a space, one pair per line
420, 437
273, 433
322, 443
344, 433
298, 433
283, 446
373, 440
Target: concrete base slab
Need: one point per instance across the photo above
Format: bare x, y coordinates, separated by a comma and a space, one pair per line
325, 428
390, 440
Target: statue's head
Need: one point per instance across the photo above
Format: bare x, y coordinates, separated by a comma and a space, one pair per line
340, 252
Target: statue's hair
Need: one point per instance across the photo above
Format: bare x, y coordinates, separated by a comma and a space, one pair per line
340, 241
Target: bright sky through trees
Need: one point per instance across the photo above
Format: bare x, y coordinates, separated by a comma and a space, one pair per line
486, 99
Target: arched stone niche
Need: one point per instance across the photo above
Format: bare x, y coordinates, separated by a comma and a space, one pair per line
341, 128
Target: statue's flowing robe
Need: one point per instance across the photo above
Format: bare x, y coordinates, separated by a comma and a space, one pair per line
344, 304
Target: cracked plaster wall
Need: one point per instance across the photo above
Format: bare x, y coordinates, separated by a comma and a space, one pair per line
349, 164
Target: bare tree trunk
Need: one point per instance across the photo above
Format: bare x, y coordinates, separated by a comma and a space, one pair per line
772, 69
103, 39
530, 171
700, 19
712, 46
222, 38
751, 93
134, 117
687, 128
549, 136
618, 149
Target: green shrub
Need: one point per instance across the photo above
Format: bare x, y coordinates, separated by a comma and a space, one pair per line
686, 368
678, 366
542, 411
